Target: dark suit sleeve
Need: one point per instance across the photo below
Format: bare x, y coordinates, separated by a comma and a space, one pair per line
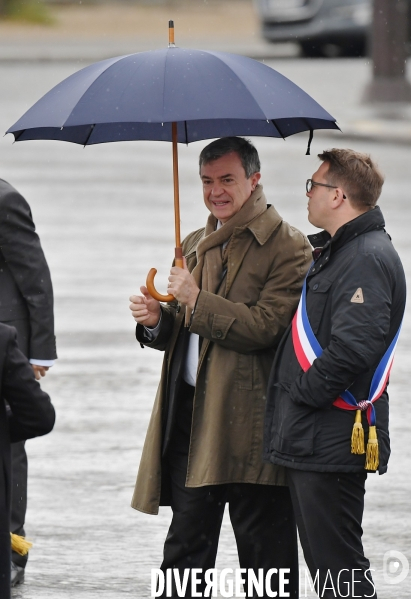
166, 328
21, 248
31, 413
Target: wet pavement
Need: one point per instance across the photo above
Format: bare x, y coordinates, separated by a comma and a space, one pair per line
104, 215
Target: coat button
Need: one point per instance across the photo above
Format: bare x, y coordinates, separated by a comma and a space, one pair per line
218, 334
315, 287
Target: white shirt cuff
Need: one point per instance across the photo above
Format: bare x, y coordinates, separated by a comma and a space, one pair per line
48, 363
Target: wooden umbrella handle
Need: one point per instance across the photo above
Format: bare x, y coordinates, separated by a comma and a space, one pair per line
178, 261
178, 255
152, 290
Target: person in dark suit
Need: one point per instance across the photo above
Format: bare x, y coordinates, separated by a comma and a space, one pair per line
25, 412
26, 302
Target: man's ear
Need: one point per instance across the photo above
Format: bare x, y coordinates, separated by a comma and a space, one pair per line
338, 198
255, 179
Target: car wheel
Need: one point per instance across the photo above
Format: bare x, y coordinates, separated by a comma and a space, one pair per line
340, 48
311, 49
355, 48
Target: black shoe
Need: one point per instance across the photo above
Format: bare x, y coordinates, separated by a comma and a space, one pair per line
17, 574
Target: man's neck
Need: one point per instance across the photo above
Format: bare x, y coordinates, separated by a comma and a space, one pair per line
346, 218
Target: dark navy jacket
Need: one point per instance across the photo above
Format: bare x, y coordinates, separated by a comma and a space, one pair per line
303, 429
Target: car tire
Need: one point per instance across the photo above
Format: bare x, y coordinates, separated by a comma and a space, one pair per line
355, 48
340, 48
311, 49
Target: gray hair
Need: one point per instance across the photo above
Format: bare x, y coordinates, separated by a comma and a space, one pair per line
225, 145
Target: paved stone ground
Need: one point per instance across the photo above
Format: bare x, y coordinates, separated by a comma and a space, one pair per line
99, 212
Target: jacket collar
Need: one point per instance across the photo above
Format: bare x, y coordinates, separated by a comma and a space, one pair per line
325, 245
263, 226
372, 220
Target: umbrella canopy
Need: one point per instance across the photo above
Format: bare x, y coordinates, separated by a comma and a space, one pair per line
137, 97
177, 95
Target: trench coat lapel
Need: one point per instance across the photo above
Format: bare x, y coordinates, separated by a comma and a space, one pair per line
238, 248
260, 230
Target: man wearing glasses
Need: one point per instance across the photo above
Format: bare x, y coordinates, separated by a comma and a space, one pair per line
327, 405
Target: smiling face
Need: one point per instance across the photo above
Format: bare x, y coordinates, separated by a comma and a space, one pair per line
225, 186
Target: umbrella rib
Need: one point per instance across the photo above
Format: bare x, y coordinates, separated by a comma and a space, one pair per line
274, 122
118, 58
80, 99
240, 80
130, 78
18, 135
89, 135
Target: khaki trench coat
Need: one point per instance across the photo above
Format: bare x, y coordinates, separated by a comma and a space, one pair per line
242, 327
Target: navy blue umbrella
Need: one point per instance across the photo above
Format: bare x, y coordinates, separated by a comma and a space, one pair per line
174, 94
208, 94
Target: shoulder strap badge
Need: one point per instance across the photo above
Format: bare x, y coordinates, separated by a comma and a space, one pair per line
358, 297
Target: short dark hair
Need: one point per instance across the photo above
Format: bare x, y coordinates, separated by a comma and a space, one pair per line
225, 145
357, 173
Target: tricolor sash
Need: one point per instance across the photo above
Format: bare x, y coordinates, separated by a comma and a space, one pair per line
307, 349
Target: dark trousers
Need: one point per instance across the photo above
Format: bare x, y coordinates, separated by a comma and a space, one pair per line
18, 496
19, 461
329, 507
5, 552
4, 564
261, 516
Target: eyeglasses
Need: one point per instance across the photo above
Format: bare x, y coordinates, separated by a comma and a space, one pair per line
309, 184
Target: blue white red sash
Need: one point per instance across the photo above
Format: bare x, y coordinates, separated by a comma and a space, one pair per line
307, 349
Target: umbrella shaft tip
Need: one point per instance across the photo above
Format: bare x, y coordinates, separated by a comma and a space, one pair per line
171, 43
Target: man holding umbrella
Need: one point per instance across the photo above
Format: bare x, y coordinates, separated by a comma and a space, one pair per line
234, 298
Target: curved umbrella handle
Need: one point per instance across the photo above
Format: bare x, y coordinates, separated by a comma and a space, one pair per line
152, 290
178, 261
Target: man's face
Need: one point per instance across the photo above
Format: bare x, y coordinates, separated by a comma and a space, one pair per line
225, 186
320, 199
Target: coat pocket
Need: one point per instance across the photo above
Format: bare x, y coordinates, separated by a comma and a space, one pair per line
293, 426
319, 292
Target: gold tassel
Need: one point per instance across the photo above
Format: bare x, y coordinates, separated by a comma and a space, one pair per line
357, 437
372, 459
19, 544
